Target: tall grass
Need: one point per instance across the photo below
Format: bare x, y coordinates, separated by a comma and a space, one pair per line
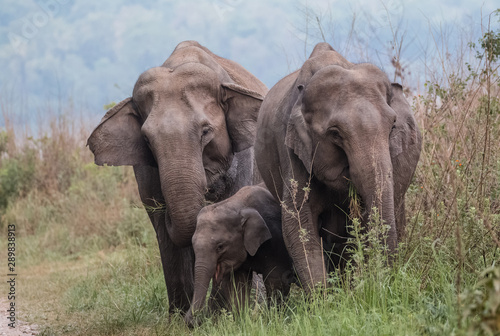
60, 201
89, 262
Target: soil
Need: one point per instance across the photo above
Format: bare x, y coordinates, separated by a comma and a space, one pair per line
21, 329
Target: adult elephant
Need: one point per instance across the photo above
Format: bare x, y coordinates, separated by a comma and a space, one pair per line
322, 126
188, 130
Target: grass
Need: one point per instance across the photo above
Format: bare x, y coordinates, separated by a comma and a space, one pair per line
88, 261
118, 294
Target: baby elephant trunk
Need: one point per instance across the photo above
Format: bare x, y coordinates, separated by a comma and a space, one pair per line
204, 270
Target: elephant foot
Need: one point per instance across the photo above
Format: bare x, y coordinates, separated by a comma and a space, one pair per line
191, 320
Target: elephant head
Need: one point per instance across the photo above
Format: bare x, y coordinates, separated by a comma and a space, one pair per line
349, 122
187, 118
224, 237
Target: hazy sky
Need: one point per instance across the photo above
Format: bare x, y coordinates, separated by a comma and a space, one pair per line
93, 51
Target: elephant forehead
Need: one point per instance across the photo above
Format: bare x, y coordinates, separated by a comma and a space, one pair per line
162, 82
206, 231
217, 217
209, 233
194, 75
337, 84
177, 103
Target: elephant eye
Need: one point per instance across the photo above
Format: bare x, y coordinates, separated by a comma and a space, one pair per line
219, 248
334, 132
206, 130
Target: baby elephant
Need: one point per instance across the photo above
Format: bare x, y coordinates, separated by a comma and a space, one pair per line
234, 238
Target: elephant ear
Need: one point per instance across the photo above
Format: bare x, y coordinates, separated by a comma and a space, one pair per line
117, 140
405, 134
297, 134
255, 230
241, 116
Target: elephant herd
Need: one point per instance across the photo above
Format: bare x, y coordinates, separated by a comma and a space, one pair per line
201, 133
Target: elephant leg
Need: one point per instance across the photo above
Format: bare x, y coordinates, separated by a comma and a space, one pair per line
401, 220
333, 231
178, 263
219, 297
301, 236
277, 284
259, 287
178, 266
233, 292
241, 289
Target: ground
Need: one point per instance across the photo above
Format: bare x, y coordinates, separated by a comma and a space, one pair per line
21, 329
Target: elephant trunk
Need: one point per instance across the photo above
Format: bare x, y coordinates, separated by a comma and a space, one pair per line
204, 270
183, 185
372, 176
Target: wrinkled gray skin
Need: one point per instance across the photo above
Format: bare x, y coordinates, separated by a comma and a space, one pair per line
334, 121
188, 130
240, 235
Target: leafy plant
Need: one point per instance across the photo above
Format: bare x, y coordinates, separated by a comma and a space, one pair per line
16, 177
482, 304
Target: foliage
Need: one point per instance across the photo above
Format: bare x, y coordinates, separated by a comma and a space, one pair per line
16, 177
109, 106
483, 303
488, 46
4, 139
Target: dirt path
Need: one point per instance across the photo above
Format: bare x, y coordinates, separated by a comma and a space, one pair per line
21, 329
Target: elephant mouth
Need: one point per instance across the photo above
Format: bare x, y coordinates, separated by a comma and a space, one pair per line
218, 274
218, 188
344, 174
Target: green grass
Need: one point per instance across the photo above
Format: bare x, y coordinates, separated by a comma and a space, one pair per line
121, 294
